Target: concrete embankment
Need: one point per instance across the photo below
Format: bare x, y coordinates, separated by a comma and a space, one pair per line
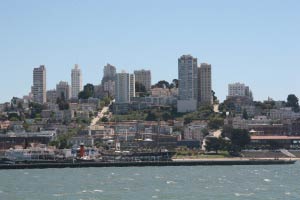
144, 164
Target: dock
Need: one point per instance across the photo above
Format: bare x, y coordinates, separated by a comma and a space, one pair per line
145, 164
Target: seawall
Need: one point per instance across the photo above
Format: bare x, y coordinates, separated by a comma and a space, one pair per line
145, 164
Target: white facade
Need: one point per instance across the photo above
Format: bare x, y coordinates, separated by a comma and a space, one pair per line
76, 81
124, 87
143, 77
238, 89
194, 132
205, 84
283, 113
132, 85
39, 85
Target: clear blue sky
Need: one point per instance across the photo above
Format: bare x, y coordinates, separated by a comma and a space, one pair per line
255, 42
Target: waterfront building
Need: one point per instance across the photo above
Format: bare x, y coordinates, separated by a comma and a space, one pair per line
204, 85
39, 84
143, 77
63, 90
188, 84
76, 81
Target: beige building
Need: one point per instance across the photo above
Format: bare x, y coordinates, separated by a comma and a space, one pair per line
76, 81
39, 84
143, 77
204, 85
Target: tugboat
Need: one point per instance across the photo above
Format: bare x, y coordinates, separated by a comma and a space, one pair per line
82, 156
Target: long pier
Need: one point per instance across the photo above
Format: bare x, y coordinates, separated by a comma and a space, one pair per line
145, 164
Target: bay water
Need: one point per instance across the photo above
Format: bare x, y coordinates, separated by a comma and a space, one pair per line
135, 183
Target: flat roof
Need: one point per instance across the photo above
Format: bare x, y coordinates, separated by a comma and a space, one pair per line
274, 137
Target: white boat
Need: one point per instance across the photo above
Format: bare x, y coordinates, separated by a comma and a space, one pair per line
31, 154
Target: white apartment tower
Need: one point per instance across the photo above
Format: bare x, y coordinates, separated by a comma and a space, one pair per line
76, 81
143, 77
188, 84
39, 84
204, 85
124, 87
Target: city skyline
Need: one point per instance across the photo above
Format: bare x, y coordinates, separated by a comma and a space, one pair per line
256, 44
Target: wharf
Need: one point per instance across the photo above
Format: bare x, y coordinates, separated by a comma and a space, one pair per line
224, 162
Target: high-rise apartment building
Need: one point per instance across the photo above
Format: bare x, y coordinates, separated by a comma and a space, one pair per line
109, 71
239, 89
188, 84
132, 85
76, 81
63, 90
108, 80
204, 85
39, 84
124, 87
143, 77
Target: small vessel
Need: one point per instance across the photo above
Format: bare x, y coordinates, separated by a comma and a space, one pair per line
137, 156
32, 154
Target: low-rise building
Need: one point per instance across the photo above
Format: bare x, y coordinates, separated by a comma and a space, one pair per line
283, 113
194, 130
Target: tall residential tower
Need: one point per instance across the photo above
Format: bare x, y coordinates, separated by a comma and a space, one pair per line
108, 80
143, 77
204, 85
188, 84
39, 84
76, 81
124, 88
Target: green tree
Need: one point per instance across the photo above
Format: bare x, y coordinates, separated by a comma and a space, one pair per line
239, 139
245, 114
215, 144
215, 98
151, 116
162, 84
293, 101
62, 103
104, 119
166, 116
139, 87
88, 91
187, 120
205, 132
215, 122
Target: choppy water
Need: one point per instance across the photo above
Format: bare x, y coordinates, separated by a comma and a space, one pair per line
186, 183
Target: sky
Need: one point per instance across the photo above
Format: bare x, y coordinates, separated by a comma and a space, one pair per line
255, 42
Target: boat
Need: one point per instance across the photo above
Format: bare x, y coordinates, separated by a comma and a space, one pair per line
32, 154
137, 156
